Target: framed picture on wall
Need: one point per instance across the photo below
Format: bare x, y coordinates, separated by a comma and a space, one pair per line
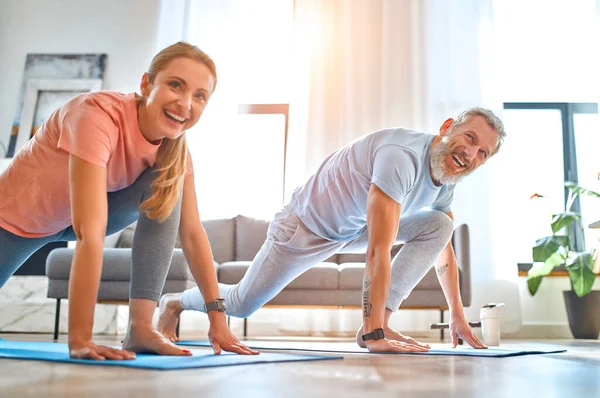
44, 96
53, 67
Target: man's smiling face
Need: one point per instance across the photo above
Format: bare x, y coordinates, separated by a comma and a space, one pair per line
462, 149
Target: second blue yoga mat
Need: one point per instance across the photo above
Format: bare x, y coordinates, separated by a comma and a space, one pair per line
352, 348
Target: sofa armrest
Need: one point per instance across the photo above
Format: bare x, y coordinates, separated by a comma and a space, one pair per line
462, 250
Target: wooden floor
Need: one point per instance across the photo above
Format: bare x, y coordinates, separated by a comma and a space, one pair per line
573, 374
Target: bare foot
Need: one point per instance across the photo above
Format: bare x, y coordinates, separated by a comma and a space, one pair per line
144, 339
390, 334
359, 339
169, 309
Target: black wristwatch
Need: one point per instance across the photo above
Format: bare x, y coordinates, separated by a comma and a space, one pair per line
218, 304
376, 334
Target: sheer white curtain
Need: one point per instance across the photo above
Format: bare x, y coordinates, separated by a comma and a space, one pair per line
462, 66
355, 69
375, 64
349, 67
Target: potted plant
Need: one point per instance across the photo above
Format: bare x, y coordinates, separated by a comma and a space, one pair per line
558, 249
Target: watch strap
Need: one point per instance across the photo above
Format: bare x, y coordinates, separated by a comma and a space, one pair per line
376, 334
218, 304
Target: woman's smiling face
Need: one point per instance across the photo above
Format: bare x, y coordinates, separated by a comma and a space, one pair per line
175, 99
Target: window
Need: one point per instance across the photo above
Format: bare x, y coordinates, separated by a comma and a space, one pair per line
535, 165
550, 84
547, 146
239, 156
587, 147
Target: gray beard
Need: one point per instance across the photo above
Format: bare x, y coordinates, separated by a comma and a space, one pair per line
438, 168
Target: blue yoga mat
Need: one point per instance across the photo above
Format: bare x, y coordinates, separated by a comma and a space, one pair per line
351, 348
56, 352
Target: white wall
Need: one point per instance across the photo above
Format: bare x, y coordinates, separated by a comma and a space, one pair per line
545, 314
123, 29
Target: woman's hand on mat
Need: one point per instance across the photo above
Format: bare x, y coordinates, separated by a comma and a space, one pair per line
89, 350
387, 345
459, 328
221, 338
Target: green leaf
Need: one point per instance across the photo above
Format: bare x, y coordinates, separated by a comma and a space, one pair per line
543, 269
533, 284
539, 270
580, 272
571, 186
559, 221
547, 246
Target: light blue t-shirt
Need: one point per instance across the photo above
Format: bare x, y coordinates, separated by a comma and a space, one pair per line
333, 202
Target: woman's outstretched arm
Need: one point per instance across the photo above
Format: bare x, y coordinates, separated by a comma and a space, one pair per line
198, 255
89, 212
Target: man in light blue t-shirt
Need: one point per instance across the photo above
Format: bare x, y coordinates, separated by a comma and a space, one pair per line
391, 186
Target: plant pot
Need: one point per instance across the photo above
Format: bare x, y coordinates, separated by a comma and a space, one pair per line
584, 314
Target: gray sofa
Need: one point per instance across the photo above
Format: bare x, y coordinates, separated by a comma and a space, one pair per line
337, 282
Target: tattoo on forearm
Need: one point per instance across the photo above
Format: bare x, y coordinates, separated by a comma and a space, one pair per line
365, 302
441, 269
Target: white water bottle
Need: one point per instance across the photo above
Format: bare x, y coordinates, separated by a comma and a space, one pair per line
490, 323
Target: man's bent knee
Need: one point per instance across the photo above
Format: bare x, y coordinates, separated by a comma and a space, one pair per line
444, 224
436, 225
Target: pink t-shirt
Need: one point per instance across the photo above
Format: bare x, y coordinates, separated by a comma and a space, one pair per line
100, 128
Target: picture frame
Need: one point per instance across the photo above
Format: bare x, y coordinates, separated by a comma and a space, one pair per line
53, 66
44, 96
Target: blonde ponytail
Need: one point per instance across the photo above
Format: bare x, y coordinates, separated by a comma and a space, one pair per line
166, 188
172, 155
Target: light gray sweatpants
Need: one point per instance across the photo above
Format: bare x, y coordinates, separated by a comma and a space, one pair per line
291, 249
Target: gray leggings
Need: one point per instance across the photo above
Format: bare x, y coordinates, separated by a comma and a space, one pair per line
291, 249
153, 241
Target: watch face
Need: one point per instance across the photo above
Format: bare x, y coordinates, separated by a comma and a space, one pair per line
221, 305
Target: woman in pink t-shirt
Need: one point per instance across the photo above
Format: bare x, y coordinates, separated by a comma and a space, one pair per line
101, 162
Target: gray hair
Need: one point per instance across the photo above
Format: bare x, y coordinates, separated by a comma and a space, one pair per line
491, 118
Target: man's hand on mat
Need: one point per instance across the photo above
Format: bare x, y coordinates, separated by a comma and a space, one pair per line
89, 350
459, 328
387, 345
221, 338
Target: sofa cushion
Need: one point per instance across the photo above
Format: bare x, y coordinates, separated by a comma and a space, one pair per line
115, 290
126, 237
333, 259
361, 257
116, 265
318, 298
321, 276
221, 234
352, 274
345, 258
250, 234
429, 281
